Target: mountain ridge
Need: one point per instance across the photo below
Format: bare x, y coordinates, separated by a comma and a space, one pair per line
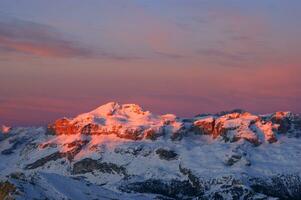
132, 122
123, 152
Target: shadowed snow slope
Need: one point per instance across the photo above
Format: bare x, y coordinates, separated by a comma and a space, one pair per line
123, 152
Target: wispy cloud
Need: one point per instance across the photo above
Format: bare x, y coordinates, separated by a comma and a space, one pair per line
37, 39
234, 56
31, 38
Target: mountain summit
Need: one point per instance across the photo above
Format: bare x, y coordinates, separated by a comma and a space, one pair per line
123, 152
132, 122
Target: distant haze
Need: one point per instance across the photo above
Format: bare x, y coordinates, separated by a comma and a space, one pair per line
62, 58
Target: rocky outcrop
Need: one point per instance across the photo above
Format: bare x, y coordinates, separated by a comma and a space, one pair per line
230, 188
126, 121
129, 121
14, 146
41, 162
166, 154
67, 127
288, 123
63, 127
7, 190
235, 126
230, 127
219, 188
204, 126
193, 179
15, 143
139, 150
280, 186
88, 165
174, 188
73, 149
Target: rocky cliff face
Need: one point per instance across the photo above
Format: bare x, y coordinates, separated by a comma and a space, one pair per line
131, 122
123, 152
125, 121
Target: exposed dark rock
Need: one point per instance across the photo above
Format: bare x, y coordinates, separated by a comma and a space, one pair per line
228, 187
173, 188
283, 119
194, 180
219, 130
178, 135
281, 186
85, 166
231, 160
6, 190
288, 123
40, 162
131, 134
18, 176
111, 168
135, 150
89, 165
272, 139
234, 192
165, 154
75, 146
50, 130
16, 144
152, 134
95, 129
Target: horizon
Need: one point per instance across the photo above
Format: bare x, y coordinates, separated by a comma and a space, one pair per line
185, 58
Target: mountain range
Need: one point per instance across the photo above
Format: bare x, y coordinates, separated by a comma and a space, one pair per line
123, 152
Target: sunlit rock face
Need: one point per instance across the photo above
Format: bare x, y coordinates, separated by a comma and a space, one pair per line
235, 126
130, 121
123, 152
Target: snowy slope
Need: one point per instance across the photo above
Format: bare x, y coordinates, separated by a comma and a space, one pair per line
123, 152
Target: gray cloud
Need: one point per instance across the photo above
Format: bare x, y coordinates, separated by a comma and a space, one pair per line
234, 56
37, 39
41, 40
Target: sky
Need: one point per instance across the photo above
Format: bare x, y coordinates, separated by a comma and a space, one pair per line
65, 57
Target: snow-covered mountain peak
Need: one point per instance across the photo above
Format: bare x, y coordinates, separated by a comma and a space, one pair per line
127, 120
113, 109
123, 152
130, 121
106, 109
